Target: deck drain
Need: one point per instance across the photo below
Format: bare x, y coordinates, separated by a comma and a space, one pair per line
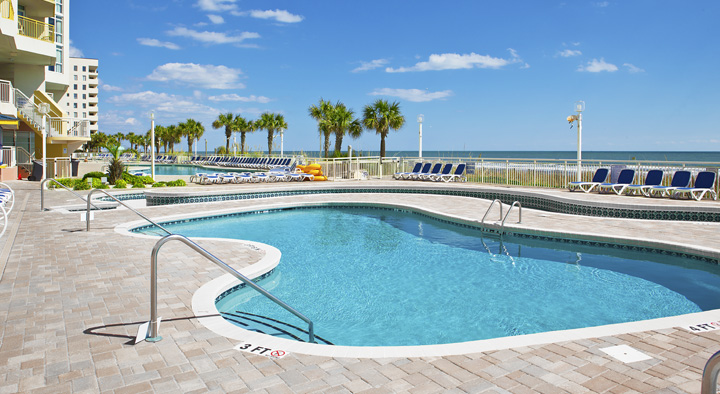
625, 354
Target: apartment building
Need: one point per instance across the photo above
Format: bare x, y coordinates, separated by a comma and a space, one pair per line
81, 99
35, 74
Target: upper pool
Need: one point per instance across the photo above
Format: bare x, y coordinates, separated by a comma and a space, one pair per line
378, 277
181, 169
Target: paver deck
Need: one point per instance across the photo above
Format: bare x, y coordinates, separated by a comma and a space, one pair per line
71, 302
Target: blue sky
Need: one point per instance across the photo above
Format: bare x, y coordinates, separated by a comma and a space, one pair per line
486, 75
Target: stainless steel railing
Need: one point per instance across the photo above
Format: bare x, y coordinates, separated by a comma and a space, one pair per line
87, 217
502, 225
42, 195
710, 375
488, 210
153, 335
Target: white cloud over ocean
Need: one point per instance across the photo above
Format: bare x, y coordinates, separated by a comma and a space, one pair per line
198, 75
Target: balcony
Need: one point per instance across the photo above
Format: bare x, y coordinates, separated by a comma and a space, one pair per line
36, 29
69, 128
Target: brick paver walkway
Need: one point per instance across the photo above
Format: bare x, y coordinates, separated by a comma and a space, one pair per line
71, 302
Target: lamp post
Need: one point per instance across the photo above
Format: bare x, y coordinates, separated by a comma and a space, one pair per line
420, 120
205, 146
44, 108
282, 134
579, 107
234, 146
152, 145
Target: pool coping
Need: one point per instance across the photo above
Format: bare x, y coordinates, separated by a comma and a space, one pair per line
203, 302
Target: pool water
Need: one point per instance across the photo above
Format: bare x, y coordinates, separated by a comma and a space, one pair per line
375, 277
181, 169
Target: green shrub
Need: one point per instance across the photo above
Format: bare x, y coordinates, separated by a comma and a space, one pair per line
81, 184
67, 182
95, 174
129, 178
138, 185
178, 182
120, 184
147, 179
159, 184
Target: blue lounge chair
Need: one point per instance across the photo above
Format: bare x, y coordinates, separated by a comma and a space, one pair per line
445, 171
600, 176
653, 178
435, 171
625, 178
401, 175
457, 175
424, 170
680, 179
704, 183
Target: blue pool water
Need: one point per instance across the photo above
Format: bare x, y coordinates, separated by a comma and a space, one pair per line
374, 277
181, 169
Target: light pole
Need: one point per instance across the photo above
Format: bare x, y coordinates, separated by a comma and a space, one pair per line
152, 145
420, 120
44, 108
579, 107
234, 146
282, 134
206, 147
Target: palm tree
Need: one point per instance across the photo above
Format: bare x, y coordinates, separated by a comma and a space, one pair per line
98, 140
321, 113
341, 122
271, 122
173, 134
131, 138
381, 117
160, 132
243, 126
225, 120
193, 130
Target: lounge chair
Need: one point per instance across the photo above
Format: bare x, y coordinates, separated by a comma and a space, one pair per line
680, 179
445, 171
457, 175
423, 171
624, 179
401, 175
435, 171
600, 176
653, 178
704, 183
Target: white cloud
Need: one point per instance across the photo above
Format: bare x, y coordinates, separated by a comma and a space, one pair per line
216, 19
596, 66
569, 53
602, 4
74, 51
209, 37
277, 15
414, 95
163, 102
454, 61
216, 5
235, 97
110, 88
152, 42
371, 65
633, 69
198, 75
131, 121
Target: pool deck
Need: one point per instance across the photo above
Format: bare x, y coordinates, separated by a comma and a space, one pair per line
72, 301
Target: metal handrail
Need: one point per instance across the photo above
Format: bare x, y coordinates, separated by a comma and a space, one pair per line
87, 217
154, 337
508, 213
42, 194
488, 210
710, 375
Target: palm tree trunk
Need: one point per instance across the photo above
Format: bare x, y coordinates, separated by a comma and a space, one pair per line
242, 142
327, 144
270, 141
190, 141
228, 133
338, 142
382, 146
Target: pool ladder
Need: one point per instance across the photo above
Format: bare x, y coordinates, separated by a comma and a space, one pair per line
503, 219
710, 375
153, 328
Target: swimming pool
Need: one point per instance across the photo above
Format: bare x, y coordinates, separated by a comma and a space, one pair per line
377, 277
182, 169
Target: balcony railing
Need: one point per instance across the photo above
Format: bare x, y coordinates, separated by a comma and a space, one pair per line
69, 127
6, 9
35, 29
7, 93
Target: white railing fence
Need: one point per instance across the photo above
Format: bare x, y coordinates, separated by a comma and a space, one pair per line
8, 156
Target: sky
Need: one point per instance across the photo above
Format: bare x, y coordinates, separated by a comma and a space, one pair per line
486, 75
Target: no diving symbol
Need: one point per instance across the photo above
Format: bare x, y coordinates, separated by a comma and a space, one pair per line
277, 353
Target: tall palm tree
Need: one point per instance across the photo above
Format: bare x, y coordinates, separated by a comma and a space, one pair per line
131, 139
341, 122
193, 130
271, 122
321, 113
226, 121
173, 135
382, 116
160, 132
243, 126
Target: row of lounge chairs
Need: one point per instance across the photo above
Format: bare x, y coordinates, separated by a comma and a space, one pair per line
438, 172
679, 185
249, 177
166, 159
7, 202
243, 162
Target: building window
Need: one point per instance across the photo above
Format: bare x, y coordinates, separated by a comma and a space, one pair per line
84, 78
74, 105
75, 77
83, 96
84, 115
84, 106
75, 96
58, 7
76, 114
21, 10
74, 68
58, 29
84, 68
84, 87
75, 86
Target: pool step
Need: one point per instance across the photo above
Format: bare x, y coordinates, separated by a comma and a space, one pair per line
270, 326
